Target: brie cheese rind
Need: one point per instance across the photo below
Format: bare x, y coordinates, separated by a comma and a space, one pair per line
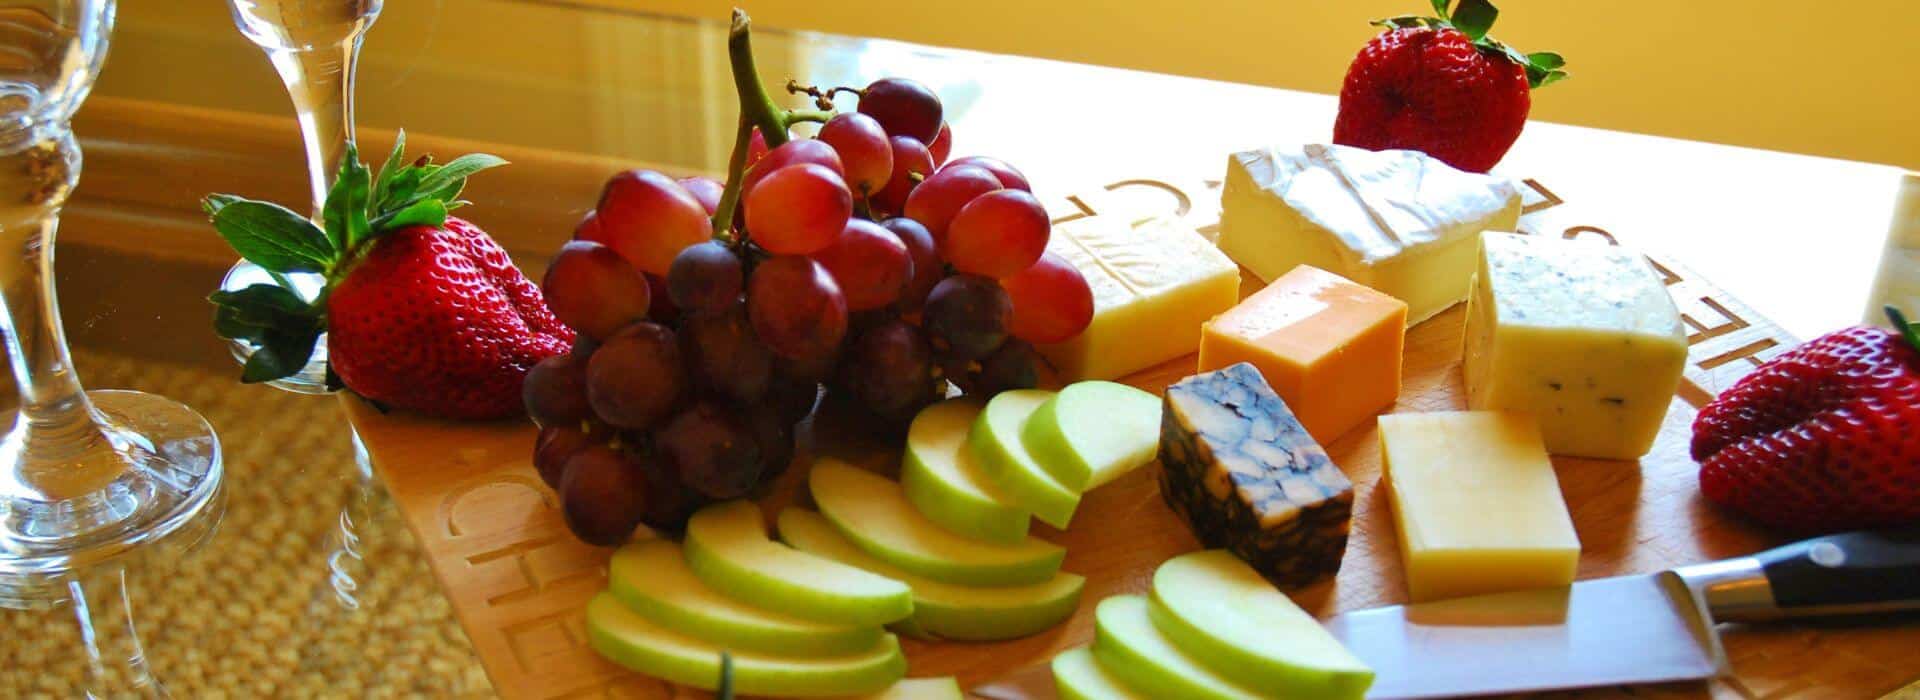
1398, 221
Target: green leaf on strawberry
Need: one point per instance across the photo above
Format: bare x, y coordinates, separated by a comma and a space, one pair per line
1908, 331
1474, 18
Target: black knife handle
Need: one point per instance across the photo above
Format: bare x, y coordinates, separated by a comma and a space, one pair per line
1848, 573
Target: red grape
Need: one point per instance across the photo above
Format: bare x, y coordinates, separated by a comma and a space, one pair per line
911, 162
555, 391
593, 289
774, 434
796, 308
871, 265
554, 447
705, 189
793, 152
669, 502
663, 309
717, 455
636, 376
1016, 365
1009, 177
967, 316
602, 496
863, 148
798, 209
1051, 301
756, 147
725, 357
647, 218
927, 269
941, 144
589, 227
941, 195
705, 278
904, 107
997, 234
889, 368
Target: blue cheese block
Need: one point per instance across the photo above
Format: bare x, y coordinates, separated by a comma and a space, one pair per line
1244, 474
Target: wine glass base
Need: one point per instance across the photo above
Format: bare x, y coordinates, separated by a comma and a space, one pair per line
172, 478
311, 379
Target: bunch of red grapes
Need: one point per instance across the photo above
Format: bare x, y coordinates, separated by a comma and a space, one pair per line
861, 260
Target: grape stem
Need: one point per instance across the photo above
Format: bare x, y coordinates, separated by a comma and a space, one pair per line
757, 111
730, 194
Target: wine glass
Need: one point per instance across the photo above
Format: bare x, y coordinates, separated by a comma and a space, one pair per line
85, 477
315, 47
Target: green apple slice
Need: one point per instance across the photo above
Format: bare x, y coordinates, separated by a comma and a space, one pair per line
1092, 432
653, 578
1130, 647
965, 613
1219, 608
631, 640
870, 510
727, 547
942, 688
996, 443
945, 482
1079, 676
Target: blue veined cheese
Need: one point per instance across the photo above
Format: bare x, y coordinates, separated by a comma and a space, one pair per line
1244, 474
1578, 333
1401, 222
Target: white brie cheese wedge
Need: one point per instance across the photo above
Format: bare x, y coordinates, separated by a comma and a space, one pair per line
1400, 222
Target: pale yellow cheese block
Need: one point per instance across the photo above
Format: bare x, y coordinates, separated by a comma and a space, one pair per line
1153, 284
1476, 503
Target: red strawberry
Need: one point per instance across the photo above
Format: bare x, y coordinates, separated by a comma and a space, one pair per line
421, 310
1443, 87
1823, 438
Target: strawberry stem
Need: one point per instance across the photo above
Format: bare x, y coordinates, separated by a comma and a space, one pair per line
1906, 330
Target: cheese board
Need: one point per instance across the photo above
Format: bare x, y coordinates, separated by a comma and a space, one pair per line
520, 582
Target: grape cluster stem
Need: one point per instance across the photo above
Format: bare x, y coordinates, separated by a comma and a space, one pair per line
757, 110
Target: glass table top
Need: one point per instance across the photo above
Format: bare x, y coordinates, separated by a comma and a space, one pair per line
283, 601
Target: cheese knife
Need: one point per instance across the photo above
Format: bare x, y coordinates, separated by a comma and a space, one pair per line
1647, 628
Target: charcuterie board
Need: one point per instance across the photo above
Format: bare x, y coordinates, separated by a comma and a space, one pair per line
519, 581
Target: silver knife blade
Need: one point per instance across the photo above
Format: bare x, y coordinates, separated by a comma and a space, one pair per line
1629, 629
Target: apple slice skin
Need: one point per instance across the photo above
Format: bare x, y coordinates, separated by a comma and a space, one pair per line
944, 610
870, 510
1217, 607
942, 479
996, 442
941, 688
631, 640
1130, 647
738, 564
1060, 439
653, 579
1079, 676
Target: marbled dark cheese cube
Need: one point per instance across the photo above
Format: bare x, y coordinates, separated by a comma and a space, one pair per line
1244, 474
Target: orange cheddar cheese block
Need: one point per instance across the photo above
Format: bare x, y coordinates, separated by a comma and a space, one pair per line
1330, 347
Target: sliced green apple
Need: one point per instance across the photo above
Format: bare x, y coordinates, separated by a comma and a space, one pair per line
1079, 676
653, 578
870, 510
965, 613
631, 640
945, 482
727, 547
1092, 432
996, 443
1131, 648
1219, 608
942, 688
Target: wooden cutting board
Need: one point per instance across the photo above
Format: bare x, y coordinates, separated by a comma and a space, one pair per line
519, 581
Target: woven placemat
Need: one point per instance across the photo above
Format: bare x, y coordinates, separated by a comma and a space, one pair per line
265, 607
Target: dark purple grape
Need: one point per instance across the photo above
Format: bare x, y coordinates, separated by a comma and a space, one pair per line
890, 369
1016, 365
927, 269
773, 432
602, 496
903, 107
716, 454
555, 391
583, 347
669, 502
636, 377
724, 356
662, 310
967, 316
796, 308
705, 278
792, 397
964, 373
554, 447
594, 290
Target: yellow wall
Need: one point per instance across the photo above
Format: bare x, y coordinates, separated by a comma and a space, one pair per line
1839, 79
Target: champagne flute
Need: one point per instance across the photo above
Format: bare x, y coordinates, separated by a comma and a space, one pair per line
86, 478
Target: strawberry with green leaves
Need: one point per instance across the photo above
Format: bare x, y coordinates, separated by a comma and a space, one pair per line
421, 310
1442, 86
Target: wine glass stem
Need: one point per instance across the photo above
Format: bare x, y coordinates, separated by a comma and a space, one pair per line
320, 82
103, 608
56, 420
